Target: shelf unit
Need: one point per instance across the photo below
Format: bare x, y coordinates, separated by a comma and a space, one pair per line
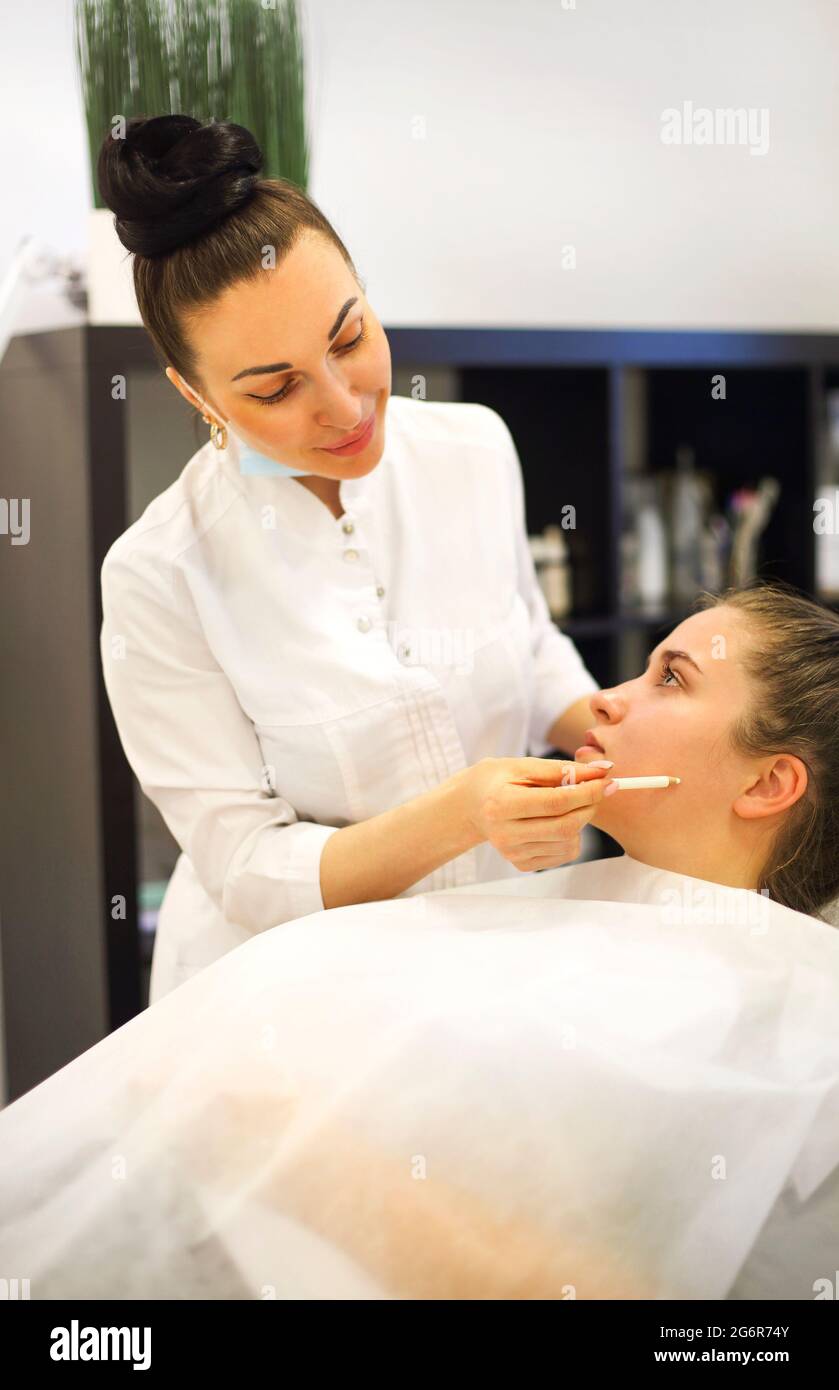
584, 407
587, 408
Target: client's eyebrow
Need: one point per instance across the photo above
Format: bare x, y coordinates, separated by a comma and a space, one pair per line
286, 366
673, 654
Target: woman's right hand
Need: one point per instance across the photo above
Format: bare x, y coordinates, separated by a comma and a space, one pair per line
533, 809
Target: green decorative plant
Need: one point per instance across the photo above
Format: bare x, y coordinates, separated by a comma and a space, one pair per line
233, 60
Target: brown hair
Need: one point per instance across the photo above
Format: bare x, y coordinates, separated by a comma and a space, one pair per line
191, 208
792, 662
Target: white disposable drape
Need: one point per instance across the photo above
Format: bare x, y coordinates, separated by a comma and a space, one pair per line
453, 1095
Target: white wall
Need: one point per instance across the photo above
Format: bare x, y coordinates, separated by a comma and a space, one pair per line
542, 129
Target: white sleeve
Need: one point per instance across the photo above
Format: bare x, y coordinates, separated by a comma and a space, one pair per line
196, 756
560, 677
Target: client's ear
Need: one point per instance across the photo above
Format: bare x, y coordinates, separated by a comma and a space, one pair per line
781, 782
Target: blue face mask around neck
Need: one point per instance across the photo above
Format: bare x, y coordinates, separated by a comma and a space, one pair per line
250, 461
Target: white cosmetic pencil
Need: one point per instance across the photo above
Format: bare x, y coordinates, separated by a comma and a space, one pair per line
632, 783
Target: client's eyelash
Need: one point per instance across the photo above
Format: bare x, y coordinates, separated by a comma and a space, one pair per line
281, 395
666, 667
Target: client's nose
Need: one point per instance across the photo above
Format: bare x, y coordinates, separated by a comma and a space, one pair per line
608, 705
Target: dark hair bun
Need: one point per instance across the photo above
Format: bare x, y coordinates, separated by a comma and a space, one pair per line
171, 178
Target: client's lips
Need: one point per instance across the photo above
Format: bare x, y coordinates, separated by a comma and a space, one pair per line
590, 741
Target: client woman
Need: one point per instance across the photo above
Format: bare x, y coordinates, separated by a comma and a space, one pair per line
741, 702
458, 1096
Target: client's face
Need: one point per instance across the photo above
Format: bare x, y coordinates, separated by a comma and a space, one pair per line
674, 720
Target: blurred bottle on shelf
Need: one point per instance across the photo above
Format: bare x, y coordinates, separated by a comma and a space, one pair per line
630, 547
550, 558
688, 501
652, 545
749, 510
643, 547
673, 541
716, 553
826, 506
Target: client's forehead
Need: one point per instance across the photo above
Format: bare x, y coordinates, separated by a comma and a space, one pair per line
714, 639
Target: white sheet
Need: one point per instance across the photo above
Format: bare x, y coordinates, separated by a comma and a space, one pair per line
463, 1094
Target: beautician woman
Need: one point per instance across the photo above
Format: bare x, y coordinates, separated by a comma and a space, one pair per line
324, 645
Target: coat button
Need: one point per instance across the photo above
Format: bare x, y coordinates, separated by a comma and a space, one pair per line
380, 590
404, 651
348, 528
350, 554
363, 624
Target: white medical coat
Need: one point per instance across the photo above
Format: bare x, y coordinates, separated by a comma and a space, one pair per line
276, 673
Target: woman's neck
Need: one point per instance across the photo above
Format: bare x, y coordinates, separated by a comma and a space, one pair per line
327, 489
703, 861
